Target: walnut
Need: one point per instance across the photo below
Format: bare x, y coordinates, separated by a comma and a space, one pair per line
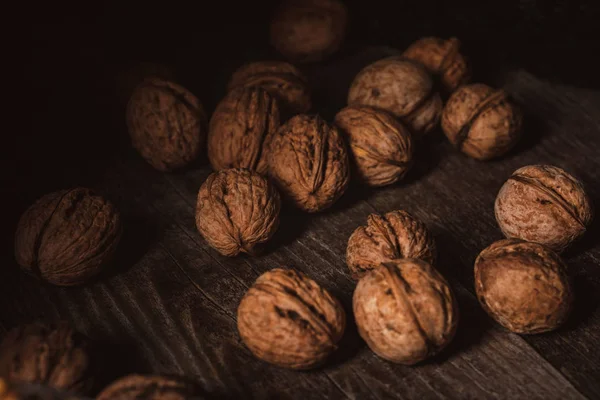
237, 211
309, 30
394, 235
481, 122
309, 162
401, 87
523, 286
544, 204
381, 146
405, 311
288, 320
68, 237
166, 124
149, 387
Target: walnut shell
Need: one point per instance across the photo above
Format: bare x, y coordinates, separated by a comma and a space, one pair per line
148, 387
67, 237
405, 311
237, 211
442, 58
309, 30
523, 286
380, 145
309, 162
544, 204
396, 234
288, 320
402, 87
481, 121
166, 124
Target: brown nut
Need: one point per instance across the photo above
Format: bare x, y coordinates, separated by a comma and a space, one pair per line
544, 204
481, 121
523, 286
405, 311
149, 387
288, 320
442, 58
68, 237
309, 162
166, 124
237, 211
240, 129
402, 87
395, 235
309, 30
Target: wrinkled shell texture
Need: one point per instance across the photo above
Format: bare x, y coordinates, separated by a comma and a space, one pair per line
288, 320
402, 87
544, 204
405, 311
309, 162
67, 237
387, 237
481, 121
523, 286
55, 356
443, 58
148, 387
381, 146
309, 30
240, 129
166, 124
282, 80
237, 211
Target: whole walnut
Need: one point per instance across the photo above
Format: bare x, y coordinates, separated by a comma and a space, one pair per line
405, 311
288, 320
68, 237
481, 121
309, 162
387, 237
166, 124
544, 204
240, 129
523, 286
381, 146
442, 58
237, 211
284, 81
149, 387
402, 87
309, 30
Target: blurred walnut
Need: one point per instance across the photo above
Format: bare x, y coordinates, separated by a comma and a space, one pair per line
309, 162
166, 124
237, 211
288, 320
405, 311
381, 147
149, 387
401, 87
67, 237
394, 235
129, 79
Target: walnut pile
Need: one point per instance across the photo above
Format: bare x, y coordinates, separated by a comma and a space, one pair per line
149, 387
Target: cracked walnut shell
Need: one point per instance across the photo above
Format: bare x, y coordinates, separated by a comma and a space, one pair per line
288, 320
149, 387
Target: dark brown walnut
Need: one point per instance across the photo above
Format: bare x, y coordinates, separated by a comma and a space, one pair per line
149, 387
309, 30
288, 320
523, 286
481, 121
544, 204
282, 80
166, 124
405, 311
442, 58
402, 87
68, 237
237, 211
387, 237
381, 147
130, 78
309, 162
240, 129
